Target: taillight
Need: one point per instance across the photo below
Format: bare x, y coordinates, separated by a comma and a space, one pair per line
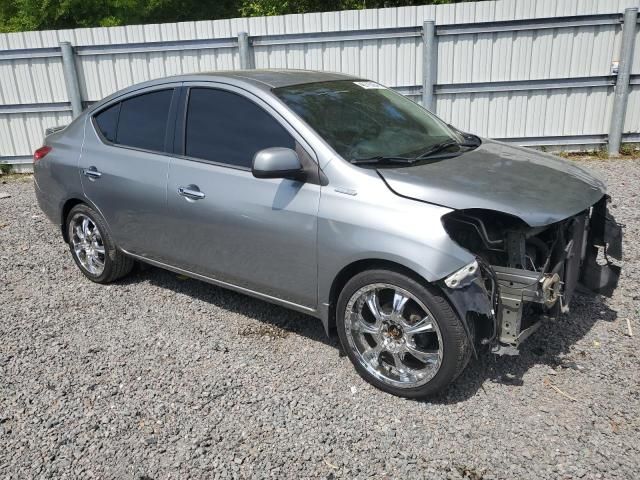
40, 153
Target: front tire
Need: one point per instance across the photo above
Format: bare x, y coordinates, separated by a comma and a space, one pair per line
401, 335
92, 248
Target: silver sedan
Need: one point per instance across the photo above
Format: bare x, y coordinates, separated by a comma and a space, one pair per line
418, 243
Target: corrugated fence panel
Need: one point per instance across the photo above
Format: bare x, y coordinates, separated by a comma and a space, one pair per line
529, 55
525, 55
539, 113
632, 119
106, 63
22, 133
636, 56
33, 80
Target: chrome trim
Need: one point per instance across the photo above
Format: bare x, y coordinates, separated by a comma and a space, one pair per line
190, 192
346, 191
91, 172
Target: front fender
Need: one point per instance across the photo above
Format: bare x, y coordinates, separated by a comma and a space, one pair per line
378, 225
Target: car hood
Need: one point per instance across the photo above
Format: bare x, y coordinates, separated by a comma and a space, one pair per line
538, 188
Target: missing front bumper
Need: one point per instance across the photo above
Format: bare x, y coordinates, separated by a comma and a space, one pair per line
513, 301
597, 236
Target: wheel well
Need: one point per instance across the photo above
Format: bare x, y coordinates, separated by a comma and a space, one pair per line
473, 323
69, 204
355, 268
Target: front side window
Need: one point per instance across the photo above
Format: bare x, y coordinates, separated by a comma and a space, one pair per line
139, 121
361, 119
228, 128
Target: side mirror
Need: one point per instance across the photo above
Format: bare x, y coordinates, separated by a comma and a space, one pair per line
277, 162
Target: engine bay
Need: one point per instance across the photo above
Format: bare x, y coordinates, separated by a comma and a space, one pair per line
531, 273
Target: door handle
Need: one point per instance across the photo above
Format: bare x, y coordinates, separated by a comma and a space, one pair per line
92, 172
191, 192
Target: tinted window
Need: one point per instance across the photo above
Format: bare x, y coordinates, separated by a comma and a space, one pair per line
227, 128
143, 120
107, 122
365, 120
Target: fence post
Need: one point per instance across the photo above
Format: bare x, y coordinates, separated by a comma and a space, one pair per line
71, 78
244, 50
621, 96
429, 64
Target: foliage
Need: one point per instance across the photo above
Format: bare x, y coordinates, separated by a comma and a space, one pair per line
21, 15
254, 8
630, 149
627, 150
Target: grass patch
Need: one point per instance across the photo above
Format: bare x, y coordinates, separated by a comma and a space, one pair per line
630, 150
16, 178
627, 150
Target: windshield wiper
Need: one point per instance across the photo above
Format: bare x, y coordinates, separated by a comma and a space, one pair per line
382, 159
438, 147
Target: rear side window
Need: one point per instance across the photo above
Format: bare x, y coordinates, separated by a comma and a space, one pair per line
227, 128
143, 120
107, 122
139, 122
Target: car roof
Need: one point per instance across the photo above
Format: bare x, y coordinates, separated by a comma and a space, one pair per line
274, 78
265, 79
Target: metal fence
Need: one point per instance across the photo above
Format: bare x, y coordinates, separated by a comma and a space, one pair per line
532, 72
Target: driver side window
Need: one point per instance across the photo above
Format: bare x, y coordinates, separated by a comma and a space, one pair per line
227, 128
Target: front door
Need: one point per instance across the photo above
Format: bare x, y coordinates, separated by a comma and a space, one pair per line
124, 168
258, 234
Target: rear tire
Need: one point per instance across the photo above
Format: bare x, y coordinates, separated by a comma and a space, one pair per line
413, 346
93, 249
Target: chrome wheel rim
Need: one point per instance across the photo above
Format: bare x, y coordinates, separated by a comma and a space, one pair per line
87, 243
394, 335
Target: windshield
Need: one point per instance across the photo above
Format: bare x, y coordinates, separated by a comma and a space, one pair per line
362, 119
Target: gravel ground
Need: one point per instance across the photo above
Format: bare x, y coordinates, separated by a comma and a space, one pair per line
159, 376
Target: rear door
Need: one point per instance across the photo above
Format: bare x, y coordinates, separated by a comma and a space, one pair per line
124, 166
258, 234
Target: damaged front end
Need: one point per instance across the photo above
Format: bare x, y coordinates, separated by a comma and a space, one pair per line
523, 274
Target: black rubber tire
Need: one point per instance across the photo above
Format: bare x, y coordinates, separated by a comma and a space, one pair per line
455, 343
116, 264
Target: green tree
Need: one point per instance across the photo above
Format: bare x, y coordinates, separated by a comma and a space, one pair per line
256, 8
21, 15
